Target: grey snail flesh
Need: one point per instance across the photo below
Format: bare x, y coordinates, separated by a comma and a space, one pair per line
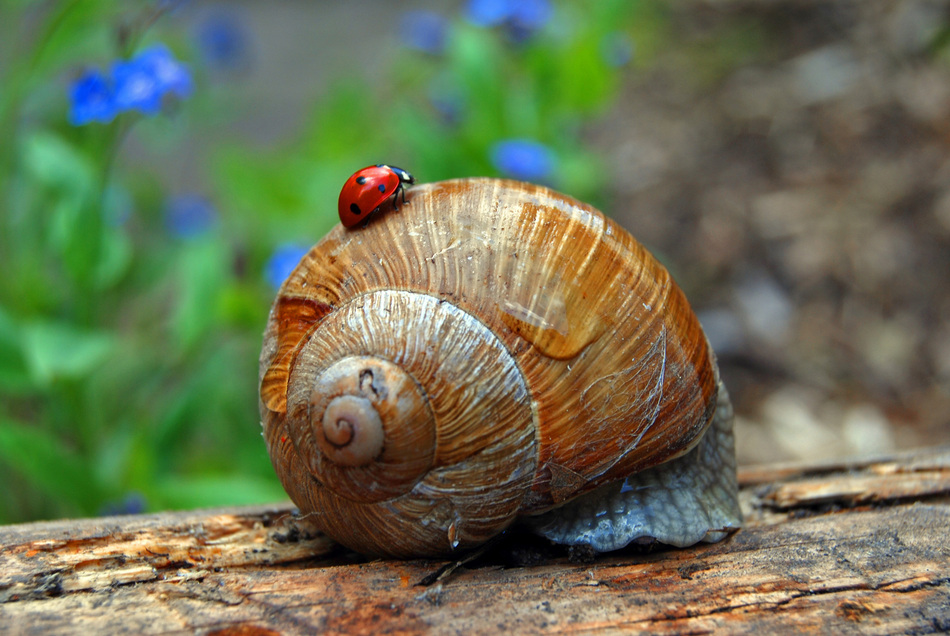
681, 502
494, 352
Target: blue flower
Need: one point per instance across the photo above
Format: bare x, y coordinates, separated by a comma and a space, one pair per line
488, 13
91, 98
523, 159
424, 31
132, 504
282, 262
531, 14
137, 84
142, 82
223, 41
521, 16
136, 89
189, 215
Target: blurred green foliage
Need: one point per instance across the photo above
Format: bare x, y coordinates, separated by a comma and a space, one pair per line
128, 349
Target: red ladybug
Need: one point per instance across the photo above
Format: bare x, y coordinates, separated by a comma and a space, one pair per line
365, 191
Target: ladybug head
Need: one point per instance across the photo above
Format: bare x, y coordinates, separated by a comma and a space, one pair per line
403, 175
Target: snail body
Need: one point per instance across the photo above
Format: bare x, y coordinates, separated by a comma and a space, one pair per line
494, 351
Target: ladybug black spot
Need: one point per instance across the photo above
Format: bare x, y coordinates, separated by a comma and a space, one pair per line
381, 187
361, 180
355, 209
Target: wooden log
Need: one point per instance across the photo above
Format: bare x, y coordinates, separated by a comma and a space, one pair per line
845, 547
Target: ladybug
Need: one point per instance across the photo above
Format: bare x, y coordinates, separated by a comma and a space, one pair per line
365, 191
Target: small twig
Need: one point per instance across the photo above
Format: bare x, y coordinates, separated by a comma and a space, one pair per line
444, 572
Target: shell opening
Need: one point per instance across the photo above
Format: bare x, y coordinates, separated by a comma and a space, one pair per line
352, 431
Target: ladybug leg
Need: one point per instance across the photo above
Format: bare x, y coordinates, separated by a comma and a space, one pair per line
396, 196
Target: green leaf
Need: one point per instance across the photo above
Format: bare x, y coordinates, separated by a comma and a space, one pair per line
14, 373
60, 350
114, 259
54, 162
202, 273
47, 464
73, 31
479, 62
75, 222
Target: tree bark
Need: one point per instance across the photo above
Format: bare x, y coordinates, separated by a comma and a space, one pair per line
846, 547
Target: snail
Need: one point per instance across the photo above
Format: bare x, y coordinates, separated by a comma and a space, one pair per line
493, 353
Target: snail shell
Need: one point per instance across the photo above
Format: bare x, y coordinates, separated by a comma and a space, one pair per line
492, 351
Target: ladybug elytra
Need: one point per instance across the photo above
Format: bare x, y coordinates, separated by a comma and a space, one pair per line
366, 190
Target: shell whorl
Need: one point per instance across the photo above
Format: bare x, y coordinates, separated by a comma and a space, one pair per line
534, 345
371, 433
443, 445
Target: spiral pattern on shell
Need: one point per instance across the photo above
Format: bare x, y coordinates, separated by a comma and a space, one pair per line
492, 349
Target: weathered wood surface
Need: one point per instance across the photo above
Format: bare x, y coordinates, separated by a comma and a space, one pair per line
852, 547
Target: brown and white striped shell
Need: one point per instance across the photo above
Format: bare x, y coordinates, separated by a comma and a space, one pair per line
490, 351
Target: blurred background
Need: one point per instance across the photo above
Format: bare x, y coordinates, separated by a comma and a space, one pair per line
164, 164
